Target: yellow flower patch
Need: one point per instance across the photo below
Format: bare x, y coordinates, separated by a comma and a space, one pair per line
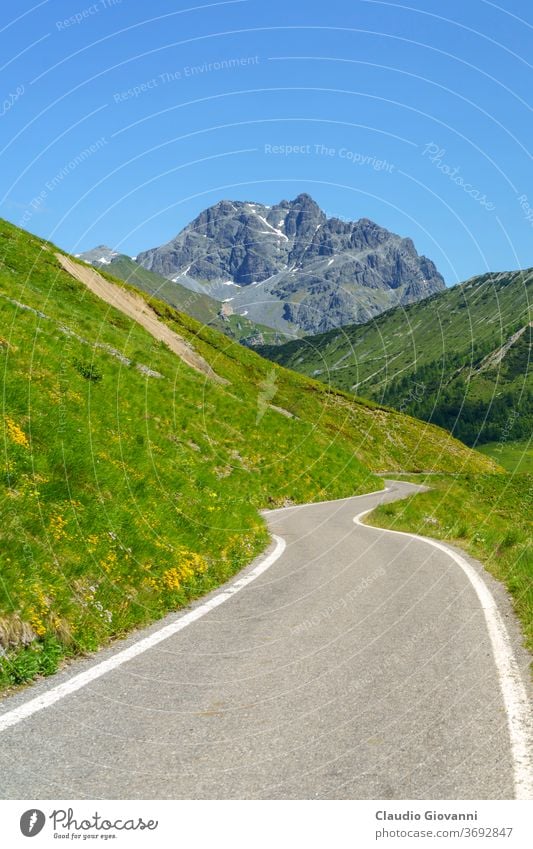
171, 579
15, 433
109, 561
57, 527
38, 612
190, 563
37, 623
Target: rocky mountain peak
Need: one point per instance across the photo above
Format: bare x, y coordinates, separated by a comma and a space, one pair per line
301, 270
101, 254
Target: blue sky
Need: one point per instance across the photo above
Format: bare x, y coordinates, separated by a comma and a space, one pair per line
122, 120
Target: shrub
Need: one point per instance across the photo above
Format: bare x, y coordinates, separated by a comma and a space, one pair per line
89, 371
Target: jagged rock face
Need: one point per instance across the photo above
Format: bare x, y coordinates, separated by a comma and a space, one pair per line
309, 273
244, 242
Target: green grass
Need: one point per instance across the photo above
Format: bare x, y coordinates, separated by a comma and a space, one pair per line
516, 457
431, 359
125, 494
488, 516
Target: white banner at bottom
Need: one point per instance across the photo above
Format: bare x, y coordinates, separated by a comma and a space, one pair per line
267, 824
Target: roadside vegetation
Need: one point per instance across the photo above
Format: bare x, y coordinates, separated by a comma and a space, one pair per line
131, 483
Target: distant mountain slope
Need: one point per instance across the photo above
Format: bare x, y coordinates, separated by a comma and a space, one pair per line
291, 267
461, 359
131, 482
205, 309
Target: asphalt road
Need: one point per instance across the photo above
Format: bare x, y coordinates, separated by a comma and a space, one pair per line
358, 665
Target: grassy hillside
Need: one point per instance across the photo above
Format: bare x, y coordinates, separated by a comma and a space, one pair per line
460, 359
196, 304
131, 483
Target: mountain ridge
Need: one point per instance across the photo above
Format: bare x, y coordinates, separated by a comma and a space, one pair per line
459, 358
197, 304
290, 267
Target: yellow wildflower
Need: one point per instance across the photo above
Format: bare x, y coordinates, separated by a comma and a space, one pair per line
109, 561
171, 579
189, 564
16, 434
36, 623
57, 527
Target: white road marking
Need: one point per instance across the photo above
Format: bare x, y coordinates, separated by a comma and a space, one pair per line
13, 717
515, 697
514, 693
53, 695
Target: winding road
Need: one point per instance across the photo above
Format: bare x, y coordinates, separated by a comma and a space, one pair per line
347, 662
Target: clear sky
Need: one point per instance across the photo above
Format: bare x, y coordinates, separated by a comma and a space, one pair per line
122, 120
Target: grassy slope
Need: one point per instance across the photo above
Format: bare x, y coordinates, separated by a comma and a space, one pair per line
513, 456
125, 495
487, 515
424, 358
196, 304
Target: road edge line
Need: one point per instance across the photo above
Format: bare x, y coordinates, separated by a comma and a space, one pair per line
514, 694
50, 697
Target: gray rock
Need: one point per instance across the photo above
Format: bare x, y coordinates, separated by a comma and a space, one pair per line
101, 255
292, 268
